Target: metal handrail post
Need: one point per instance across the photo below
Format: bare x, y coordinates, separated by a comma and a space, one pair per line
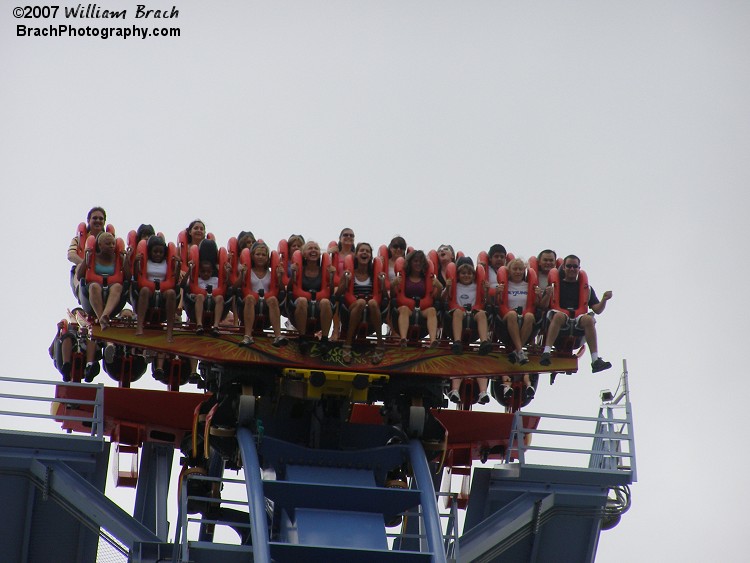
430, 515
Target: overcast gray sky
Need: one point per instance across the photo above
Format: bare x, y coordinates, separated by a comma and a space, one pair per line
612, 130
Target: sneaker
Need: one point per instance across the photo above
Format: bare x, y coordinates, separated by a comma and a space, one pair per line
454, 396
246, 341
483, 398
66, 370
529, 392
599, 365
512, 357
545, 359
485, 348
90, 372
402, 343
280, 341
109, 353
457, 348
215, 331
507, 392
522, 357
194, 378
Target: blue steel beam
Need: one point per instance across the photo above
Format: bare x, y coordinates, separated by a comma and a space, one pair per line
90, 502
255, 496
153, 488
482, 541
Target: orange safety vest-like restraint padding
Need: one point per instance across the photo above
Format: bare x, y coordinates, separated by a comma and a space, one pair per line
325, 286
247, 287
553, 279
452, 274
378, 285
196, 289
90, 255
531, 283
142, 278
401, 298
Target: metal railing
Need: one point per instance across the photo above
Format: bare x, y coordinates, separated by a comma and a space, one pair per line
31, 392
612, 445
186, 521
186, 532
449, 524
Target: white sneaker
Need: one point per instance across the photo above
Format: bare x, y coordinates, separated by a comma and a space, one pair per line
522, 357
507, 392
454, 396
483, 398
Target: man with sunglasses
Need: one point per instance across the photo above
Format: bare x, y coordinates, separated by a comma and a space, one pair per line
583, 324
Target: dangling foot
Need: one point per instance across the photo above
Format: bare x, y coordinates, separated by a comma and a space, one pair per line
483, 398
66, 370
522, 357
529, 392
434, 344
454, 396
280, 341
104, 322
199, 330
90, 371
457, 348
215, 331
599, 365
485, 347
507, 392
246, 341
402, 343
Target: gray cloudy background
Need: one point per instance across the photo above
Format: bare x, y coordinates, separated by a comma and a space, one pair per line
612, 130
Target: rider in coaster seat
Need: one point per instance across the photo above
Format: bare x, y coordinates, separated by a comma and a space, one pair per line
466, 293
206, 286
518, 297
156, 288
415, 290
311, 283
260, 292
103, 274
363, 287
569, 313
